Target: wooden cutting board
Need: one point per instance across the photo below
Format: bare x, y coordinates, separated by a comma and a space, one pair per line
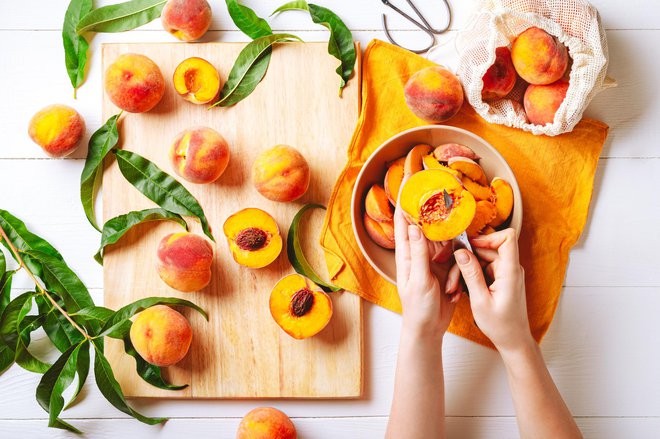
240, 352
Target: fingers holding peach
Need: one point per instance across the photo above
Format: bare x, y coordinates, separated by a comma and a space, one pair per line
57, 129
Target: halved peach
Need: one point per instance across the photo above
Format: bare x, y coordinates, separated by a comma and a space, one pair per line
449, 150
437, 202
253, 236
299, 306
413, 161
393, 179
484, 214
469, 168
376, 204
479, 191
503, 200
196, 80
430, 162
382, 233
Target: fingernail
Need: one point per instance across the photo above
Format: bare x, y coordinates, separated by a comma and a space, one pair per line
462, 257
414, 232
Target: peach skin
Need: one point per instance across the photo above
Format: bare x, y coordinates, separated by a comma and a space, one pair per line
434, 94
134, 83
538, 57
57, 129
187, 20
200, 155
184, 261
161, 335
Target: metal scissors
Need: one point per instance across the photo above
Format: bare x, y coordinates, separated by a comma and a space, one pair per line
424, 25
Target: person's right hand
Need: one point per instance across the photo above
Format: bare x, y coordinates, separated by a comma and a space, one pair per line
499, 309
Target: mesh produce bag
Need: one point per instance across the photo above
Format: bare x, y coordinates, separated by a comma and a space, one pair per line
496, 23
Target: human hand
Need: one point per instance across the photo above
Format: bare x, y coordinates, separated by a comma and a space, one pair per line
420, 280
499, 309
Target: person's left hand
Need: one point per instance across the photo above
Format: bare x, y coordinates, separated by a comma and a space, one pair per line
422, 268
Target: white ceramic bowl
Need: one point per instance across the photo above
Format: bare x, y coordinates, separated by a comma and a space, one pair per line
374, 169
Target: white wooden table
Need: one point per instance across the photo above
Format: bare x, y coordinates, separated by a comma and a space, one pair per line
602, 348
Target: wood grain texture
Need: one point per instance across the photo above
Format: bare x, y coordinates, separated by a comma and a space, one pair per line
240, 352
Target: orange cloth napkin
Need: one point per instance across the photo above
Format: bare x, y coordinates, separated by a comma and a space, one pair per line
555, 175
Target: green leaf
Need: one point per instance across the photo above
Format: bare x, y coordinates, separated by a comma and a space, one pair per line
128, 311
116, 227
295, 252
98, 314
148, 372
109, 387
249, 69
5, 288
75, 46
3, 264
121, 17
13, 315
247, 21
100, 144
55, 381
23, 239
160, 187
82, 370
340, 44
57, 327
6, 357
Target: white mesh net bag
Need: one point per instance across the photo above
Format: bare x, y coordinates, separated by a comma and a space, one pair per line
496, 23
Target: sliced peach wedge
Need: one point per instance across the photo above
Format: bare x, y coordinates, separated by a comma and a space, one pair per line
447, 151
469, 168
196, 80
414, 160
430, 162
299, 306
377, 205
503, 200
254, 238
484, 214
393, 179
438, 203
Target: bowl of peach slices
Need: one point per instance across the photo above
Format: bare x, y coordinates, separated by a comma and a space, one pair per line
457, 183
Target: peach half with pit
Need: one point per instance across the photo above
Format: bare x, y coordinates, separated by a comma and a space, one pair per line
134, 83
200, 155
281, 173
184, 261
57, 129
299, 306
161, 335
266, 423
538, 57
187, 20
434, 94
438, 203
254, 237
196, 80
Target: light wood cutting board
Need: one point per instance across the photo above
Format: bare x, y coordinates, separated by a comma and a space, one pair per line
240, 352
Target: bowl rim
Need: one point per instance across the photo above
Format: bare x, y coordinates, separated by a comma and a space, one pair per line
515, 187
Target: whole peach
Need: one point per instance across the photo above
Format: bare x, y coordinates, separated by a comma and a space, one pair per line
434, 94
200, 155
57, 129
500, 78
538, 57
134, 83
542, 101
281, 174
161, 335
266, 423
187, 20
184, 261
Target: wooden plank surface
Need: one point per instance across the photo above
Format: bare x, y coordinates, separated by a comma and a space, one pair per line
240, 352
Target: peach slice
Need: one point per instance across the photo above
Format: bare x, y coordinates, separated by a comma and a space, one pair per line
449, 150
503, 200
480, 192
469, 168
299, 306
254, 237
484, 214
414, 159
393, 179
377, 206
430, 162
196, 80
437, 202
382, 233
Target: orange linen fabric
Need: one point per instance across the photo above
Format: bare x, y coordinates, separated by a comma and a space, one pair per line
555, 175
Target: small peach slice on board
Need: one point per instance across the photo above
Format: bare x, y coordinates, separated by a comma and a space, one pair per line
437, 202
414, 159
382, 233
161, 335
447, 151
484, 214
480, 192
377, 205
196, 80
469, 168
299, 306
393, 179
503, 200
254, 237
430, 162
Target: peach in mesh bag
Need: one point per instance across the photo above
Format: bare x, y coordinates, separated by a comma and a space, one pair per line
496, 23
